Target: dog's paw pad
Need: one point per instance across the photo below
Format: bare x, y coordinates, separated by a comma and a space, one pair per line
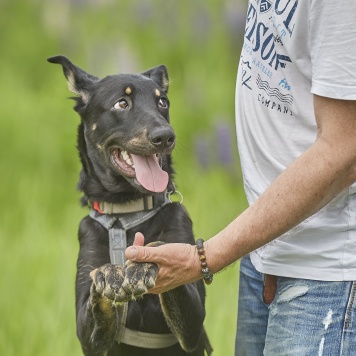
108, 281
139, 278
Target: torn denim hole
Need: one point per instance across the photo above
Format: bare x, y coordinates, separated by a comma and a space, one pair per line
326, 322
328, 319
321, 346
273, 309
287, 295
291, 293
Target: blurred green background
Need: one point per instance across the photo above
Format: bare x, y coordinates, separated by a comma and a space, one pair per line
200, 42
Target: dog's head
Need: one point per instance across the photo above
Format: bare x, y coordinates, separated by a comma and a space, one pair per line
125, 135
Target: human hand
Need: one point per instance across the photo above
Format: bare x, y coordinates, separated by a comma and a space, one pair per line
178, 263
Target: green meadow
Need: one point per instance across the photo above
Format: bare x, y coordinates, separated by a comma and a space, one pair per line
200, 43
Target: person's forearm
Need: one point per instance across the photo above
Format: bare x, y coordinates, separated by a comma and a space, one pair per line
307, 185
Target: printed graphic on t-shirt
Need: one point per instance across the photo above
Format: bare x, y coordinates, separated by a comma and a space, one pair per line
269, 24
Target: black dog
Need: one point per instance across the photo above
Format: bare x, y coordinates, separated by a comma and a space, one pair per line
124, 143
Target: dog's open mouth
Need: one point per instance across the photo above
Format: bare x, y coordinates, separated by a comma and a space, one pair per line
146, 169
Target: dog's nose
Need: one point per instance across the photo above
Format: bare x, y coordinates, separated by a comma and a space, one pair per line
163, 138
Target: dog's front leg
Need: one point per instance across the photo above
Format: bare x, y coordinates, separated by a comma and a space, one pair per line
97, 314
183, 307
184, 312
98, 318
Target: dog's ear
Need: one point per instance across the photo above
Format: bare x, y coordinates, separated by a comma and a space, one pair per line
159, 75
79, 81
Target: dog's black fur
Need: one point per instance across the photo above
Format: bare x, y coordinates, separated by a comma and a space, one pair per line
115, 118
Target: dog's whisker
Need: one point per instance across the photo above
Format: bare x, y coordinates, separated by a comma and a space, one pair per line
179, 149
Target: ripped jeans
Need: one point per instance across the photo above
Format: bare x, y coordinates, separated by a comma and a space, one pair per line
306, 317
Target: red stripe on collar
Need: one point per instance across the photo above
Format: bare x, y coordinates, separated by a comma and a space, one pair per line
96, 206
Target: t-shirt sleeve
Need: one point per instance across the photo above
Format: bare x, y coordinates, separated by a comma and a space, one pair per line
332, 31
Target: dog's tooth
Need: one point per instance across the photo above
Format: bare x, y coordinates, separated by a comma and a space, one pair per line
129, 161
127, 158
124, 155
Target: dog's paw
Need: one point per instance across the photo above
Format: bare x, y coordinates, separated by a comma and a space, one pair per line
108, 281
139, 278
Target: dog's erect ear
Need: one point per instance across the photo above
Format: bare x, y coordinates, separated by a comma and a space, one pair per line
159, 75
79, 81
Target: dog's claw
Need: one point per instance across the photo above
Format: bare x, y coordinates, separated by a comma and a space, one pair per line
100, 282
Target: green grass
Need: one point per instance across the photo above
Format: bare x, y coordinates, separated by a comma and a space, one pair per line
40, 211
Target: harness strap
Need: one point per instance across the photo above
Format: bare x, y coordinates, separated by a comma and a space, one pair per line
148, 340
117, 235
117, 246
122, 310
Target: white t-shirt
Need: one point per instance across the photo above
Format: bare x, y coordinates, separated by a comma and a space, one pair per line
292, 50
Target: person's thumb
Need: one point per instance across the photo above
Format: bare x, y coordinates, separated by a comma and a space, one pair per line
136, 252
139, 239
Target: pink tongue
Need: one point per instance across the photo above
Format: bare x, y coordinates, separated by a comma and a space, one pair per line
149, 173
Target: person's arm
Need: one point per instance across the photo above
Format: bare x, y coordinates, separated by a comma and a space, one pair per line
307, 185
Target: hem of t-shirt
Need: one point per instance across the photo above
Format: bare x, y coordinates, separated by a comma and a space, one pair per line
303, 272
334, 91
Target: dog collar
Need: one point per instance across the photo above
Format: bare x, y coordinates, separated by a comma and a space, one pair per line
146, 203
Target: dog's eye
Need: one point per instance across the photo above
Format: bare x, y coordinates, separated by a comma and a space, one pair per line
163, 103
121, 104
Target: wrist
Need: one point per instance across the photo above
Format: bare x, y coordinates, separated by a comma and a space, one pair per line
205, 271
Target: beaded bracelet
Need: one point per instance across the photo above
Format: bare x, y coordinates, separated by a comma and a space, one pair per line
207, 276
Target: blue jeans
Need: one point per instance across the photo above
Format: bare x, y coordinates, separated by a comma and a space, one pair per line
306, 317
